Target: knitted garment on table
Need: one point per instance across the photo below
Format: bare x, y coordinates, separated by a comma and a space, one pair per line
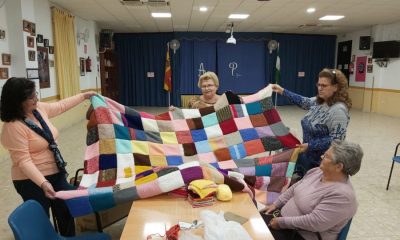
133, 155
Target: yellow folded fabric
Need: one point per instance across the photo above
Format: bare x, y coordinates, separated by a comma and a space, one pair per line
203, 187
224, 193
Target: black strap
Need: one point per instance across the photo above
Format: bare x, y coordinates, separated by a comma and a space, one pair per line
46, 134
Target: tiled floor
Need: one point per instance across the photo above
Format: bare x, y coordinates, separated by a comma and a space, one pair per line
378, 213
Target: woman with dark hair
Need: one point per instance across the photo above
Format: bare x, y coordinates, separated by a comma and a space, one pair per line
327, 118
323, 202
38, 169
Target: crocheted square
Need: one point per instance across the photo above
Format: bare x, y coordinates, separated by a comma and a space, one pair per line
103, 115
189, 149
191, 113
101, 198
140, 147
222, 154
125, 162
141, 159
153, 137
107, 178
208, 157
279, 129
233, 138
191, 173
210, 120
171, 181
184, 137
213, 131
177, 114
150, 125
217, 143
172, 149
254, 108
106, 131
229, 164
228, 126
264, 131
107, 161
206, 110
199, 135
123, 146
174, 160
155, 149
121, 132
134, 119
168, 137
149, 189
279, 169
106, 146
254, 147
243, 123
91, 165
140, 135
156, 160
165, 126
180, 125
237, 151
92, 136
271, 143
264, 170
92, 151
203, 146
224, 114
258, 120
248, 134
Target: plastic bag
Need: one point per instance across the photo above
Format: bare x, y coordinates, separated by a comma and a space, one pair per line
217, 228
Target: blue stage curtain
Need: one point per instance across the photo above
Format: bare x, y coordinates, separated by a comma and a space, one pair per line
138, 54
302, 53
141, 53
193, 54
241, 67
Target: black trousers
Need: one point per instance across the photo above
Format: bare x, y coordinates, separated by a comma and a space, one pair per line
29, 190
283, 234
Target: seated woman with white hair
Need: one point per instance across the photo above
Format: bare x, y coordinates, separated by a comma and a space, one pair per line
319, 205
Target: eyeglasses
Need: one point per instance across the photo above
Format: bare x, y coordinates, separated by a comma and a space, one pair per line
207, 86
318, 85
325, 156
34, 95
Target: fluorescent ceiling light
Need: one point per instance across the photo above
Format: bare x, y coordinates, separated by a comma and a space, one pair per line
238, 16
331, 17
203, 9
161, 15
310, 10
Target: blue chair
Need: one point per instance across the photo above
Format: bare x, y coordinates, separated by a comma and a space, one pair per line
29, 221
345, 230
394, 159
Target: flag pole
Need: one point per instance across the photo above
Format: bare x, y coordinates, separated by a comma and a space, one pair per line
277, 74
169, 92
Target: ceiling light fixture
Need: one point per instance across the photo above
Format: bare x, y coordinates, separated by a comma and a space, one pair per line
310, 10
238, 16
203, 9
160, 15
331, 17
231, 39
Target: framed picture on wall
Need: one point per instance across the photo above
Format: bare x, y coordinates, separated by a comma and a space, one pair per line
32, 73
46, 42
39, 38
31, 55
51, 50
3, 73
2, 34
82, 66
43, 65
30, 41
33, 29
6, 59
26, 26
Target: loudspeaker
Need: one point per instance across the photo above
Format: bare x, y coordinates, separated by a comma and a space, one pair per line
105, 40
365, 42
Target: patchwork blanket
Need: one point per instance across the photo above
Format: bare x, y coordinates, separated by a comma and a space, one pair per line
132, 155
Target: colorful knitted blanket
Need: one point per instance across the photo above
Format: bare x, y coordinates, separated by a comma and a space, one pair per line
132, 155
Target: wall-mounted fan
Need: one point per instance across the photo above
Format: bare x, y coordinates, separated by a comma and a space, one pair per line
272, 45
174, 44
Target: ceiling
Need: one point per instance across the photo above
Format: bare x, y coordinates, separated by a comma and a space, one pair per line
284, 16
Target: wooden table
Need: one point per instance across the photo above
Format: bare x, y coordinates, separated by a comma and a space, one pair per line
152, 215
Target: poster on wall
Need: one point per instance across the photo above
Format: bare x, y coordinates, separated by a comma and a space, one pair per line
360, 69
43, 65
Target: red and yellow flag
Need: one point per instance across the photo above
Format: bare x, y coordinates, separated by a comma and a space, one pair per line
168, 73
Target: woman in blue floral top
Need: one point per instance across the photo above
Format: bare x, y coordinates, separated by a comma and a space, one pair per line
327, 117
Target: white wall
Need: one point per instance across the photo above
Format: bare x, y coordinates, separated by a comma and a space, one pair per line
39, 12
386, 78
